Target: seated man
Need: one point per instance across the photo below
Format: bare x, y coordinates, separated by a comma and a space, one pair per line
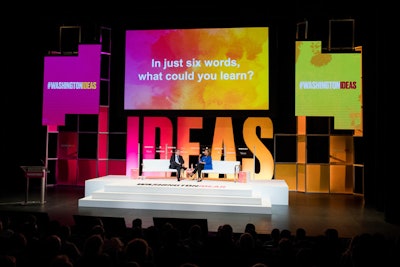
176, 162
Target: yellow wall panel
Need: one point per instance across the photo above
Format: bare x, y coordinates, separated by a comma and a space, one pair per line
301, 177
287, 172
317, 178
341, 179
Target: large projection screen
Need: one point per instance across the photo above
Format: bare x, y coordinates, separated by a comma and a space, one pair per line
197, 69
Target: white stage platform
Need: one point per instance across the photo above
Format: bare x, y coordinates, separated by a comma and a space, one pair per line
217, 195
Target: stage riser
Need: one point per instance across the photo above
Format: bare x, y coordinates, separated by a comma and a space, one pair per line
88, 202
117, 191
187, 198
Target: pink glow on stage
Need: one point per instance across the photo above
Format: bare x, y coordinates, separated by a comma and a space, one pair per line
132, 145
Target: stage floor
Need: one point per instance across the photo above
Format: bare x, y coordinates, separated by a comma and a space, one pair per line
315, 212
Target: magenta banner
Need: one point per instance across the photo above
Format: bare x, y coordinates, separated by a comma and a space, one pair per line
71, 84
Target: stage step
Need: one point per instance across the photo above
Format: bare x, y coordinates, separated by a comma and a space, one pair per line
178, 197
263, 208
184, 187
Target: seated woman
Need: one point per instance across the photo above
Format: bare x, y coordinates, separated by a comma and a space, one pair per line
204, 163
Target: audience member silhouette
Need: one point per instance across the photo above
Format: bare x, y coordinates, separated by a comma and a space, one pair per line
301, 240
246, 254
273, 240
136, 230
173, 252
329, 247
369, 250
93, 253
68, 247
114, 247
61, 260
251, 229
259, 264
17, 246
223, 248
196, 244
138, 251
49, 250
8, 261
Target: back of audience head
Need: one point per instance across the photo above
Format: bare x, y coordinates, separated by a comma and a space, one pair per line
195, 232
250, 228
137, 223
188, 264
137, 250
61, 260
275, 233
259, 264
98, 230
8, 261
285, 233
331, 234
225, 232
300, 233
246, 241
65, 232
93, 245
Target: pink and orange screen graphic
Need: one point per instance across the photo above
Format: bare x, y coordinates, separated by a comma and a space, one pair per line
197, 69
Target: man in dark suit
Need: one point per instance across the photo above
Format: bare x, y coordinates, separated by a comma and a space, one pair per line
176, 162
